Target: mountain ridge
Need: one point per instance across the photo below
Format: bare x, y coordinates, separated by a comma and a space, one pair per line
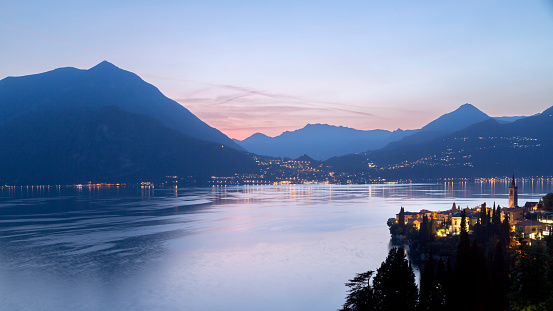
102, 85
484, 149
320, 141
107, 144
324, 141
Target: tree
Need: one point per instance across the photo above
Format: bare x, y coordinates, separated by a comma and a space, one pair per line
497, 219
477, 278
463, 248
423, 231
462, 281
531, 286
431, 295
361, 295
394, 284
500, 279
433, 229
548, 201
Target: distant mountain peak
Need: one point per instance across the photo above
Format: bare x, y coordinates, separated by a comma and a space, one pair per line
467, 106
458, 119
323, 125
102, 85
105, 65
305, 158
259, 135
320, 141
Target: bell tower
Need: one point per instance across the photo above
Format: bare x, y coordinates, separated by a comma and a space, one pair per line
513, 193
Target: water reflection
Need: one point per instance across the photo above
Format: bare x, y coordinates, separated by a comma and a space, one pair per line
225, 248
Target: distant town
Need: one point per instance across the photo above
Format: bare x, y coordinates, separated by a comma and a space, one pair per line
531, 220
283, 171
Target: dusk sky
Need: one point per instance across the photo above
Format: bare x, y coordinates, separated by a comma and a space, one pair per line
272, 66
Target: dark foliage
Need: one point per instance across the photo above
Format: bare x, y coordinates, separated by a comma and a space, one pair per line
433, 286
361, 295
493, 270
394, 286
548, 201
531, 286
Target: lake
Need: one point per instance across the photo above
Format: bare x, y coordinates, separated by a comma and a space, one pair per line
289, 247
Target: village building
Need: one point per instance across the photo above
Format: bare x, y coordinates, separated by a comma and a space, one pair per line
513, 214
545, 217
530, 229
532, 206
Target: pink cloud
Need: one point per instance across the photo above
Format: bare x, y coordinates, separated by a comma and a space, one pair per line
241, 111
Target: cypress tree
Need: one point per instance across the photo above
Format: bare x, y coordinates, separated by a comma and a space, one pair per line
427, 285
483, 214
439, 301
394, 284
478, 277
505, 231
432, 230
462, 279
449, 285
500, 279
423, 232
361, 295
497, 219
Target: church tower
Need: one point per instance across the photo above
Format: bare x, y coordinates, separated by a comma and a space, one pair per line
513, 193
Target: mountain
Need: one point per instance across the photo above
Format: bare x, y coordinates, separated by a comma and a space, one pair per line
320, 141
508, 119
456, 120
484, 149
100, 86
107, 144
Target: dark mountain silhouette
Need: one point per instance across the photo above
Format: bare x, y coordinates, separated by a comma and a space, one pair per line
509, 119
306, 158
320, 141
100, 86
456, 120
484, 149
107, 144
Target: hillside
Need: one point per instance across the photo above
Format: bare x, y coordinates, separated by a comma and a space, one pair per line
100, 86
107, 145
484, 149
320, 141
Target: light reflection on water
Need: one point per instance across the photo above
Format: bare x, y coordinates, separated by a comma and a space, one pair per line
229, 248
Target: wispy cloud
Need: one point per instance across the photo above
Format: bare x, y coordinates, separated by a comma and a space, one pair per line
241, 111
48, 38
246, 91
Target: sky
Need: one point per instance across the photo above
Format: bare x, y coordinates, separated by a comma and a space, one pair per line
272, 66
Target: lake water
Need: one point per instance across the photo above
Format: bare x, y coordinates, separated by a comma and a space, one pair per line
232, 248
